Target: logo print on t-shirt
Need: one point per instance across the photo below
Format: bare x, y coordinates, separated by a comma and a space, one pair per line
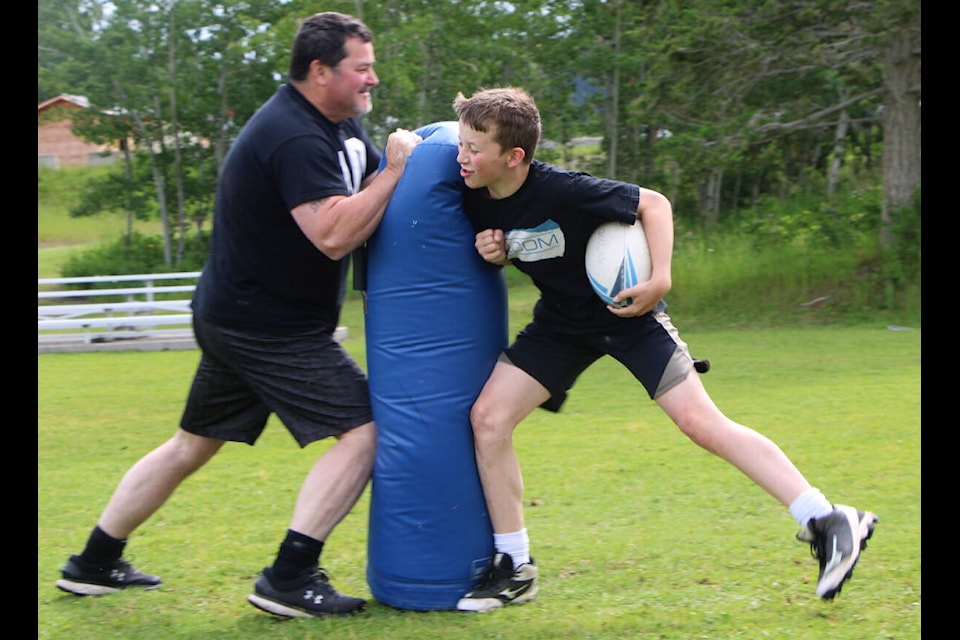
540, 243
353, 163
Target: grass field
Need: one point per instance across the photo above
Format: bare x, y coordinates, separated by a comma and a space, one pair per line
638, 533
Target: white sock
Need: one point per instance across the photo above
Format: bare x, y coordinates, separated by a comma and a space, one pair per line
516, 545
808, 505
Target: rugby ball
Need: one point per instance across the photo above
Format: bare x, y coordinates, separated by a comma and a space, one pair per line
617, 258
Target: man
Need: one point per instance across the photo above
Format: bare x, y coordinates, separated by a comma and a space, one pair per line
298, 192
517, 206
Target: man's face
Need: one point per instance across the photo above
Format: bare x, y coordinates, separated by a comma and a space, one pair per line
350, 83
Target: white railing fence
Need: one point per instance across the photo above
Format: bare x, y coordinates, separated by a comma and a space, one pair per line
130, 310
138, 303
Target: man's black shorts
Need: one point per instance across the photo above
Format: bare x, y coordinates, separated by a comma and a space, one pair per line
313, 385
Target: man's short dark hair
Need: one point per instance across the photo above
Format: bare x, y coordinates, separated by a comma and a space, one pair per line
322, 37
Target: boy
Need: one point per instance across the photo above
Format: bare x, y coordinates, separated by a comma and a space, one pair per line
539, 218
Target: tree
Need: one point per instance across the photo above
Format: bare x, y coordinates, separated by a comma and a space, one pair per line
155, 75
901, 117
716, 103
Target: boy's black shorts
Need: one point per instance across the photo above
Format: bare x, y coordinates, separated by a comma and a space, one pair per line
648, 345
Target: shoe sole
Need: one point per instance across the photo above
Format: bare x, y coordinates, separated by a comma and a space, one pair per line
284, 611
867, 521
88, 589
489, 604
276, 608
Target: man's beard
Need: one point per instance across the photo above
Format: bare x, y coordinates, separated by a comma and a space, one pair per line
366, 108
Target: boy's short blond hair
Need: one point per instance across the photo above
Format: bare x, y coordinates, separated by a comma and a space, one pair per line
508, 113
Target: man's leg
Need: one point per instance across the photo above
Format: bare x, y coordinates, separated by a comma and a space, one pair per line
329, 492
146, 486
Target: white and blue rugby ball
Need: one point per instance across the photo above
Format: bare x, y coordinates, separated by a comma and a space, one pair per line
617, 258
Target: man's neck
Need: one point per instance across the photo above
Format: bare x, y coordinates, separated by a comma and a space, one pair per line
314, 96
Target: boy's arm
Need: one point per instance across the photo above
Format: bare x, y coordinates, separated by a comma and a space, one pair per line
489, 244
656, 215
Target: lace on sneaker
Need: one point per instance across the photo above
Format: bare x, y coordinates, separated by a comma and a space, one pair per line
818, 549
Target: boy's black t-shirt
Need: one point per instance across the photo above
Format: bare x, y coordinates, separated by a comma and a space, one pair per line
547, 224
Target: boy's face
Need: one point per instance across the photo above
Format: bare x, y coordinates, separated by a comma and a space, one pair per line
482, 162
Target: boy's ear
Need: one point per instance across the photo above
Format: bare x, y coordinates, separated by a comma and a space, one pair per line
517, 154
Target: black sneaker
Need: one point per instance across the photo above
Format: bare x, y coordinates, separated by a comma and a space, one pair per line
837, 540
502, 585
83, 580
311, 596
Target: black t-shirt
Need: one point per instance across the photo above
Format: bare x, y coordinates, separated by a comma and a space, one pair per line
547, 224
262, 273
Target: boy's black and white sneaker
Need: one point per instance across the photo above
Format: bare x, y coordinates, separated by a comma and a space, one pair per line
310, 596
84, 580
836, 540
502, 585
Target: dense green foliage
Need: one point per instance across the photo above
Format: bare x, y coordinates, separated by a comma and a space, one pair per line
721, 106
134, 254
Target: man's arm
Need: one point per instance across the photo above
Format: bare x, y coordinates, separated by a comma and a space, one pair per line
339, 224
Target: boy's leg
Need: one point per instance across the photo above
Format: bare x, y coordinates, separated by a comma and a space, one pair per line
508, 396
837, 536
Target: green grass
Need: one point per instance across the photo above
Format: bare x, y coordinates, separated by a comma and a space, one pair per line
59, 234
51, 259
638, 533
724, 279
